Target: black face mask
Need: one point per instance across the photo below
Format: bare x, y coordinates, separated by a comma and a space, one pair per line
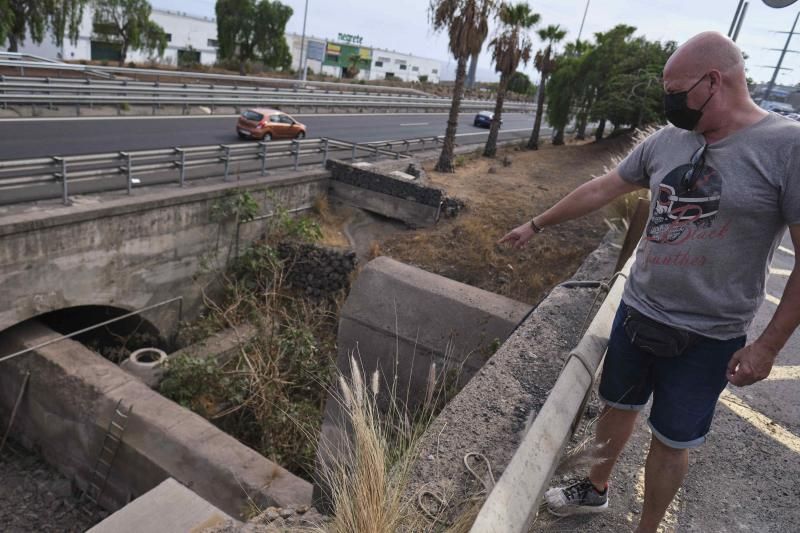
678, 111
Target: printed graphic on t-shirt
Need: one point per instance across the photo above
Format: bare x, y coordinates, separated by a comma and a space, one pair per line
682, 214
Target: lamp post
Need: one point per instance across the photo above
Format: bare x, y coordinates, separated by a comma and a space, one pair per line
303, 53
580, 31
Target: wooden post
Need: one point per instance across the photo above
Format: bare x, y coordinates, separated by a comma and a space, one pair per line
635, 230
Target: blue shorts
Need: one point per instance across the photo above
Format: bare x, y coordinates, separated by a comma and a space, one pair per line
685, 389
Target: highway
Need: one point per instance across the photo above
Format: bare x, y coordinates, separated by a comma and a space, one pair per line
53, 136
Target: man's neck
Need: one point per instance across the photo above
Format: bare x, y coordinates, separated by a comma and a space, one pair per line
742, 117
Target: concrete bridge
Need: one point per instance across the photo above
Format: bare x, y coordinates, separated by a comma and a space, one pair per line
127, 253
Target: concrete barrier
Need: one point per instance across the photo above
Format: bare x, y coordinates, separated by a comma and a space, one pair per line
67, 408
492, 413
399, 319
513, 503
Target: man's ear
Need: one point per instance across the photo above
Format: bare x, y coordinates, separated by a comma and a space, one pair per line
716, 80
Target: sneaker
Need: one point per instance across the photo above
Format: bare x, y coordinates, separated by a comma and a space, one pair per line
578, 498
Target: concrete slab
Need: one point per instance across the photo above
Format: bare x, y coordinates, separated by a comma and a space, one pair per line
412, 213
168, 508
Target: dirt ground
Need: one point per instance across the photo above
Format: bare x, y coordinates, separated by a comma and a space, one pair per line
500, 194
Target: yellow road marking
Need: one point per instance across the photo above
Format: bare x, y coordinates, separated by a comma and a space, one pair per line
785, 372
761, 422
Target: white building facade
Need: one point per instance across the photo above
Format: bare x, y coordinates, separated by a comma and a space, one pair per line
387, 64
193, 39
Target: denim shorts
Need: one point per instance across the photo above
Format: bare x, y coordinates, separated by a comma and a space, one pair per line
685, 389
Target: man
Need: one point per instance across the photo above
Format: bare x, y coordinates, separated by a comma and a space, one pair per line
725, 183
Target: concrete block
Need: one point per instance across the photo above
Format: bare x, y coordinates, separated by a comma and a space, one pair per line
412, 213
168, 508
398, 320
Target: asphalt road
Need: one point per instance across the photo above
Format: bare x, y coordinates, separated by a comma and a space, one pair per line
28, 138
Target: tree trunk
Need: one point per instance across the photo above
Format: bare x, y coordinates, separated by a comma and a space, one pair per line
491, 143
123, 53
445, 163
13, 44
533, 142
601, 127
473, 69
558, 138
580, 132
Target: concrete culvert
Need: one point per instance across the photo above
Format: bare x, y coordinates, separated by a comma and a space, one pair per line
146, 364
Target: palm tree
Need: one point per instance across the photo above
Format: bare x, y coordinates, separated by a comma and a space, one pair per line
545, 62
467, 25
353, 63
509, 48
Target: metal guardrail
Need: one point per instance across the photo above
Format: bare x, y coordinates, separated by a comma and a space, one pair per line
53, 177
23, 61
49, 91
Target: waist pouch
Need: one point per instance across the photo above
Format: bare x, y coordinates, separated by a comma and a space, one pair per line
654, 337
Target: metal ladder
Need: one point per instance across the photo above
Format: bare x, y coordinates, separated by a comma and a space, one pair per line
105, 458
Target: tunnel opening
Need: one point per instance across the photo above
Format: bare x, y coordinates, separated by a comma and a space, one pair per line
114, 341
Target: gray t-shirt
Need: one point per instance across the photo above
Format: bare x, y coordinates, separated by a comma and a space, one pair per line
703, 260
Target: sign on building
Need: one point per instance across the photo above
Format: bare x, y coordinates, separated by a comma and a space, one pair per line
352, 39
316, 50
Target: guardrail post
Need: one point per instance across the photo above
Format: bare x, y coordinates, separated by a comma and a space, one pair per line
182, 165
263, 155
128, 170
296, 148
63, 176
226, 157
375, 153
353, 154
408, 145
324, 152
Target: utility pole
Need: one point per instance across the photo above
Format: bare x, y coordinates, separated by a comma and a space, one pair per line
580, 31
735, 18
303, 53
739, 23
780, 61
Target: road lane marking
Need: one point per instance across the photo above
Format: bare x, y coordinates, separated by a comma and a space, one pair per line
773, 300
786, 250
176, 117
780, 271
761, 422
788, 372
416, 124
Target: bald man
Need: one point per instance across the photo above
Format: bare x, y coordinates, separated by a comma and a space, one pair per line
725, 184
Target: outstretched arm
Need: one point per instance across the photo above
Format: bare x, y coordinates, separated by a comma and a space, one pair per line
754, 362
587, 198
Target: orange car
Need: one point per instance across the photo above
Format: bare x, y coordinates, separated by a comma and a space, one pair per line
268, 124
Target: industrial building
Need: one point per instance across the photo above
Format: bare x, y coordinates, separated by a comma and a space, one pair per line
193, 39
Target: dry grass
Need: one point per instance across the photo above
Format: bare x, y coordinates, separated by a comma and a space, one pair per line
368, 478
465, 248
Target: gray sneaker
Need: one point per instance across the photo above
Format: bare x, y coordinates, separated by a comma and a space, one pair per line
578, 498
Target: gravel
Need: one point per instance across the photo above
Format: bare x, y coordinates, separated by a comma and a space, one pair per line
35, 497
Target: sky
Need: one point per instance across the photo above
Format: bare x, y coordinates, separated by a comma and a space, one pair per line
403, 26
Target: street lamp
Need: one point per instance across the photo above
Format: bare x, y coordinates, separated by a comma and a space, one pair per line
303, 52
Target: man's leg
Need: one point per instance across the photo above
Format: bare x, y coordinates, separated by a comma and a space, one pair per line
613, 430
664, 472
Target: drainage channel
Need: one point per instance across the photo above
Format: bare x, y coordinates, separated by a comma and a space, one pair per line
113, 438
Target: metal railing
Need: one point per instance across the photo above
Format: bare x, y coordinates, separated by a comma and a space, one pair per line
49, 91
25, 61
62, 176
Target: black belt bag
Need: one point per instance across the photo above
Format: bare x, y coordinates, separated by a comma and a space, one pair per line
654, 337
